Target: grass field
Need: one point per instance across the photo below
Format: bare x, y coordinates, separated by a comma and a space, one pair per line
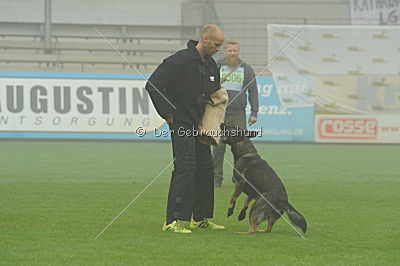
56, 197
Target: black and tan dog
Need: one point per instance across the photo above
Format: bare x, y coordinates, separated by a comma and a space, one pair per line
250, 168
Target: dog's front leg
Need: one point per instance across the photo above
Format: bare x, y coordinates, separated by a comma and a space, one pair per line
243, 211
238, 190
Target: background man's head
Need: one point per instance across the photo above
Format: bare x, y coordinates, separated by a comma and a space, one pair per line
211, 39
232, 52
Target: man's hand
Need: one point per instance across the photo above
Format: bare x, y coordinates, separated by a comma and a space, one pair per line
252, 120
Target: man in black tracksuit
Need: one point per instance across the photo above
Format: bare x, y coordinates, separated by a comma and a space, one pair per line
179, 88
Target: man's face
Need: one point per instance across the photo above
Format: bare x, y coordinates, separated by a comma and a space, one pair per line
232, 52
213, 43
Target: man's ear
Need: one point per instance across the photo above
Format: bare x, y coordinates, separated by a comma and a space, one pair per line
251, 133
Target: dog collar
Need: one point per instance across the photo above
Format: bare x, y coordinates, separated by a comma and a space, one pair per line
250, 154
247, 155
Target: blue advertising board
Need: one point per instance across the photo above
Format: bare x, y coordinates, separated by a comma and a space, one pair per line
49, 105
286, 109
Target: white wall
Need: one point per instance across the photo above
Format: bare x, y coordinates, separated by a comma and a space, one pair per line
285, 9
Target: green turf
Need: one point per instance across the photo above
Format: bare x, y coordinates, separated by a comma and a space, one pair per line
56, 197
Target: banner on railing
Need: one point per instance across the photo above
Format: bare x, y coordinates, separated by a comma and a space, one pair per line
75, 105
79, 105
116, 106
353, 129
286, 110
375, 12
359, 94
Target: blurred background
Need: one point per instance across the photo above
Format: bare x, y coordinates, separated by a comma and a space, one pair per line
59, 35
344, 63
333, 77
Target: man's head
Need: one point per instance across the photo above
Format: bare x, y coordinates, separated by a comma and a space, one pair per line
232, 52
211, 40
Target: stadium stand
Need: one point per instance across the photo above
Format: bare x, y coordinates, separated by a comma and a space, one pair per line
76, 46
81, 48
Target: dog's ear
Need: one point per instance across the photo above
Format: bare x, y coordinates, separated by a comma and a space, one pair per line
222, 126
251, 133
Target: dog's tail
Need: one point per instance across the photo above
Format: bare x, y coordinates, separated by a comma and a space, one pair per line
295, 217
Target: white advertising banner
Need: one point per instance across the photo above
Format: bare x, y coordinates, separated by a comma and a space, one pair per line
334, 50
76, 105
375, 12
357, 129
350, 69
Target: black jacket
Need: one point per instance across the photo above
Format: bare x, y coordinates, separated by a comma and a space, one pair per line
187, 82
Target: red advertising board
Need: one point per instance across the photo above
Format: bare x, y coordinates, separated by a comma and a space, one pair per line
364, 129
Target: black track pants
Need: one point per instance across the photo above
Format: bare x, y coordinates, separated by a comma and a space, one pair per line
191, 190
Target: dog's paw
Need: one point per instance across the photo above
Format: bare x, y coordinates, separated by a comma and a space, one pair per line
230, 212
242, 215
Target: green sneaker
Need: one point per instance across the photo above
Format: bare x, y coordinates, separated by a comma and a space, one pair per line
206, 224
175, 227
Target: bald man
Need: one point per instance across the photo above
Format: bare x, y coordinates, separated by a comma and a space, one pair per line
179, 88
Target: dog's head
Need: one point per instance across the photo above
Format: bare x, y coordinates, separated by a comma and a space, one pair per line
232, 135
